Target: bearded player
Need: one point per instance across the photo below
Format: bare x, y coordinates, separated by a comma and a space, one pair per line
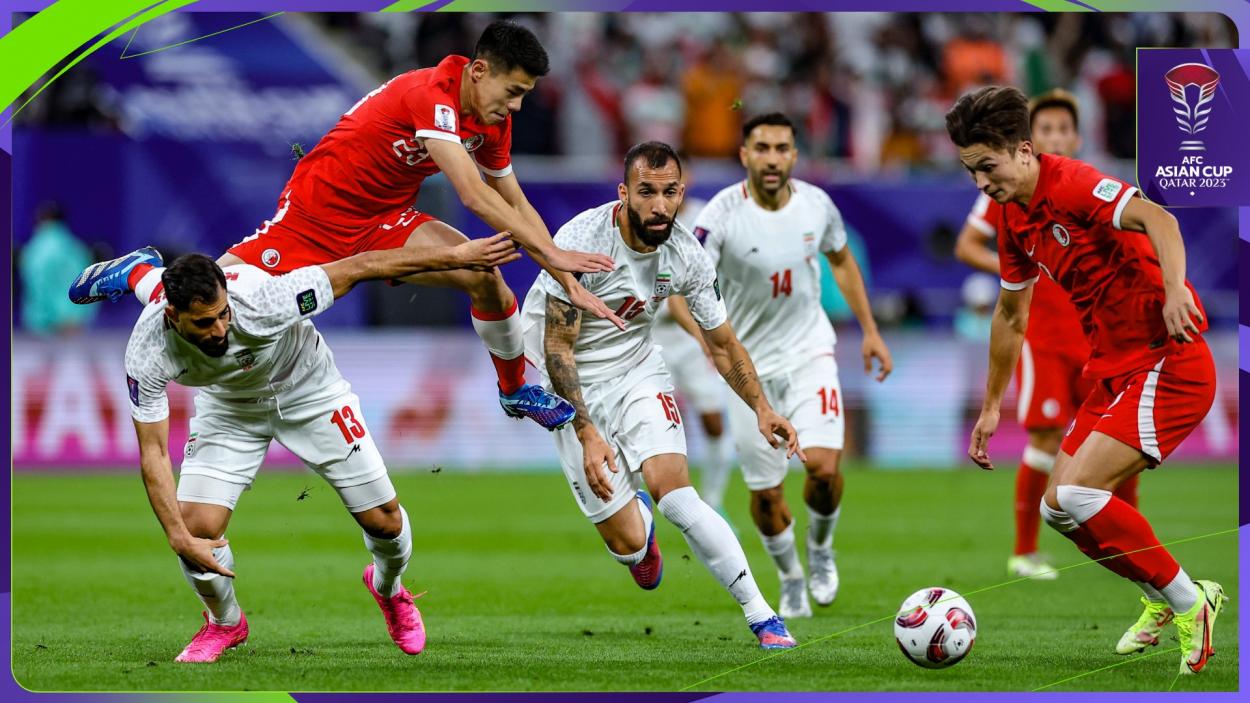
355, 190
1049, 377
1121, 260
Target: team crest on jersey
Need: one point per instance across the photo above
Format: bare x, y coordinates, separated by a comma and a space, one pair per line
191, 445
809, 243
270, 257
246, 359
1061, 234
472, 143
445, 118
663, 285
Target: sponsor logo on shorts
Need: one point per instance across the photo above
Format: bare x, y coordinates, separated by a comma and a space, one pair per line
445, 118
133, 385
1061, 235
246, 359
306, 301
270, 257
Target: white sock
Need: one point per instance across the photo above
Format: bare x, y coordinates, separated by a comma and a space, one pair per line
1150, 592
636, 557
715, 472
1081, 502
781, 547
390, 557
215, 591
1181, 593
713, 542
821, 527
502, 337
1059, 520
148, 284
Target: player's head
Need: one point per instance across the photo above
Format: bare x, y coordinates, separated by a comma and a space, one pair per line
198, 309
507, 63
768, 152
991, 128
652, 191
1054, 123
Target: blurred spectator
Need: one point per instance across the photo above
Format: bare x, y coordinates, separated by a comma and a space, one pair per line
48, 264
713, 90
972, 320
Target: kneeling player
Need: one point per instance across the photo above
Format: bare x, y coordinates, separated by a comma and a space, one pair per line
244, 336
626, 417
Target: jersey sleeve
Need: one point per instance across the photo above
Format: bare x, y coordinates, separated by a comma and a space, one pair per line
1093, 197
146, 380
494, 157
984, 215
709, 229
834, 236
433, 113
279, 302
1018, 271
702, 290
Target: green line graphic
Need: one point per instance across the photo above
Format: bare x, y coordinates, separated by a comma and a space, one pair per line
968, 593
1112, 666
188, 41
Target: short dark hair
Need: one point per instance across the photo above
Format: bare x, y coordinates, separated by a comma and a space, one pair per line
192, 277
657, 154
1059, 98
996, 116
777, 119
507, 45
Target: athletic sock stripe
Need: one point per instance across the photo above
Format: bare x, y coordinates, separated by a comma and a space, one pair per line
1146, 432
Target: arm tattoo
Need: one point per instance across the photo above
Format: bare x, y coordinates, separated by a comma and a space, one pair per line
743, 381
564, 322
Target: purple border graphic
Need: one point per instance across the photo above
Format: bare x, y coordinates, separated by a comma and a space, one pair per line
1238, 12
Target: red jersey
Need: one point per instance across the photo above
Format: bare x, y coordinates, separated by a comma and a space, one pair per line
1053, 322
373, 161
1070, 231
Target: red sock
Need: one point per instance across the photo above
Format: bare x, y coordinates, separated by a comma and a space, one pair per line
1127, 491
1030, 486
137, 274
1118, 529
511, 373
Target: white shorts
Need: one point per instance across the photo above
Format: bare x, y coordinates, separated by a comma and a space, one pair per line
228, 442
636, 415
697, 381
810, 397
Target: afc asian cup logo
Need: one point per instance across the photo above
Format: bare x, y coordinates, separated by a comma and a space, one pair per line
270, 257
1192, 107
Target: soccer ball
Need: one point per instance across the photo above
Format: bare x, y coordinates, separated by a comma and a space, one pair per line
935, 628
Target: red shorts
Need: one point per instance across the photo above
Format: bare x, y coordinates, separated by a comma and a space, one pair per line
1153, 410
1051, 387
294, 239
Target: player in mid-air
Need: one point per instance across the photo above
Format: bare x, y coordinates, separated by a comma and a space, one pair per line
266, 374
765, 235
355, 190
627, 431
1049, 377
1154, 374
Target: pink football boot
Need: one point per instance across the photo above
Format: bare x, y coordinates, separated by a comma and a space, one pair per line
403, 620
212, 640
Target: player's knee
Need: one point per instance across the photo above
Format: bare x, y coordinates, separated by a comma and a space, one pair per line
383, 522
713, 425
769, 501
824, 468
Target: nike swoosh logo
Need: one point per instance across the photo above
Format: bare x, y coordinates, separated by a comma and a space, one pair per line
1031, 250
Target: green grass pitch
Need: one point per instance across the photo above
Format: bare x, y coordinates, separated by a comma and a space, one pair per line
521, 594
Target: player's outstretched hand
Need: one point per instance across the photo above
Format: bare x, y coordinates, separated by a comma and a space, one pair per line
596, 453
580, 262
874, 348
1181, 314
585, 300
775, 427
486, 254
198, 554
978, 449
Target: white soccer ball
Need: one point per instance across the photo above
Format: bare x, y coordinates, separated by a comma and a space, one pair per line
935, 628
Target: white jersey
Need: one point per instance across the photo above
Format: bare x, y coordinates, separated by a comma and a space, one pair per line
274, 351
690, 209
769, 268
636, 290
